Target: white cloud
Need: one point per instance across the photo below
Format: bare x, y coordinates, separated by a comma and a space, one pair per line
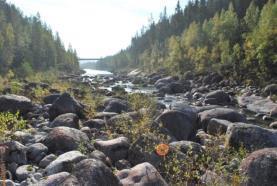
95, 28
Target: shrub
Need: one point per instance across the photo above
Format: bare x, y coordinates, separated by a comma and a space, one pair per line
9, 123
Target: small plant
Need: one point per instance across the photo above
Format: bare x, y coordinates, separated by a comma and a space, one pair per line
9, 123
83, 148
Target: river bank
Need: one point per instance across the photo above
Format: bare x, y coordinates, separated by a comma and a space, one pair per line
112, 129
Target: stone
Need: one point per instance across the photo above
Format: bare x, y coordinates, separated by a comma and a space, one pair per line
96, 154
252, 137
61, 178
67, 120
181, 125
47, 160
117, 106
218, 126
122, 164
36, 152
16, 153
14, 103
187, 147
24, 171
257, 104
65, 104
95, 123
260, 167
220, 113
115, 149
94, 172
142, 174
50, 99
8, 183
217, 97
273, 125
64, 139
270, 89
64, 163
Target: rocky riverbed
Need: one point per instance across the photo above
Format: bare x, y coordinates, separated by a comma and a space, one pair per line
65, 145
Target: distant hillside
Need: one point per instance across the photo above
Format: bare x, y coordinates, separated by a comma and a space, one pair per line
233, 37
28, 45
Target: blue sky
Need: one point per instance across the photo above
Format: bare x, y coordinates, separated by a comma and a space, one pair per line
96, 28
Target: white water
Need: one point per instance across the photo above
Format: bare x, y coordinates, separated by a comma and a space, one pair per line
92, 72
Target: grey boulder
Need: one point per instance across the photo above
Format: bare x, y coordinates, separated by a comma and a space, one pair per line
67, 120
260, 168
94, 172
142, 174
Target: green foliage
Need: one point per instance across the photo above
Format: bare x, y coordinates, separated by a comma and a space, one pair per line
27, 44
235, 38
10, 123
181, 169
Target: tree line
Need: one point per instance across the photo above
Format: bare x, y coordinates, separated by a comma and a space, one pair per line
28, 45
232, 37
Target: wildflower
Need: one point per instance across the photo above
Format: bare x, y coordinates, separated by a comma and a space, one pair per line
162, 149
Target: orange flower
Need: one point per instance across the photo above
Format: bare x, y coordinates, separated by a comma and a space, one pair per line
162, 149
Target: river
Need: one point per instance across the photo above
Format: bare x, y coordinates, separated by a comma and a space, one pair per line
93, 72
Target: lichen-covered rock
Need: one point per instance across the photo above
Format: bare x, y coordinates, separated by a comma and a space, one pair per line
64, 163
260, 168
94, 172
59, 179
115, 149
65, 104
217, 97
220, 113
142, 174
179, 124
252, 137
64, 139
36, 152
14, 103
67, 120
218, 126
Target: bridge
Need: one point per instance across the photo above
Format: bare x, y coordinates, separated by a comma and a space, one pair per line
89, 59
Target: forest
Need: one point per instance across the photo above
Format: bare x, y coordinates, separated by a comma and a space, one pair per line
234, 38
28, 45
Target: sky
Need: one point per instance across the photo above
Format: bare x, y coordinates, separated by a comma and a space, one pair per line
96, 28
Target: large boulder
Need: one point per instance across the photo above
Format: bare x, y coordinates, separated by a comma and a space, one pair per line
36, 152
63, 139
65, 104
142, 174
218, 126
59, 179
220, 113
64, 163
115, 149
95, 123
162, 82
94, 172
116, 105
24, 171
270, 89
14, 103
260, 168
47, 160
15, 153
217, 97
67, 120
181, 125
51, 98
251, 137
257, 104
